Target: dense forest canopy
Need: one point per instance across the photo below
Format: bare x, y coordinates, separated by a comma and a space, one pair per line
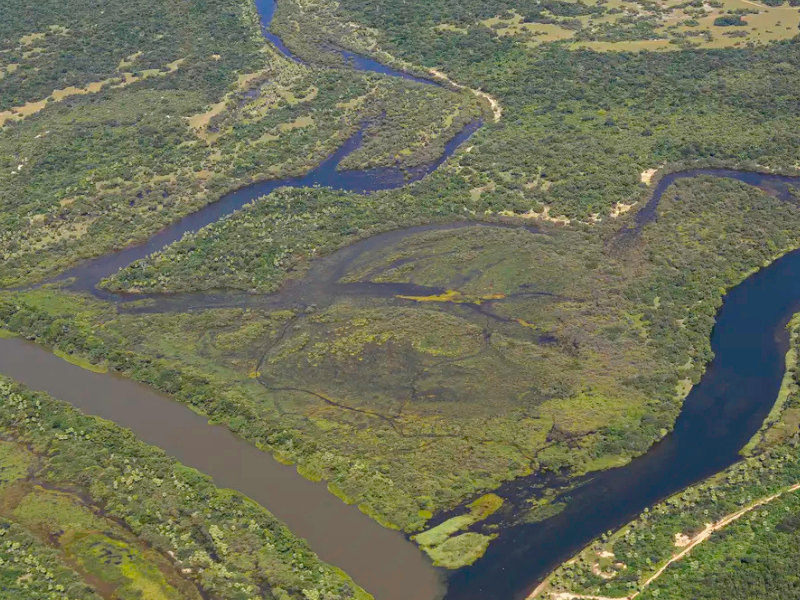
56, 46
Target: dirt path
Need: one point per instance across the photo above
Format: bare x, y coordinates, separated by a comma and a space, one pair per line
497, 110
711, 528
695, 541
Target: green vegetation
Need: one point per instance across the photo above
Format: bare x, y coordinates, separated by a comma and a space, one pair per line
81, 362
579, 127
754, 557
734, 535
118, 126
605, 25
57, 47
573, 352
460, 550
729, 20
97, 547
415, 375
255, 248
30, 569
130, 522
60, 215
750, 553
453, 551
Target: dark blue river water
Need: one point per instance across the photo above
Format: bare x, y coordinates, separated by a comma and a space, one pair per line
327, 174
88, 274
719, 416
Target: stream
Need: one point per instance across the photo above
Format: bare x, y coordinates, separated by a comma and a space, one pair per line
719, 416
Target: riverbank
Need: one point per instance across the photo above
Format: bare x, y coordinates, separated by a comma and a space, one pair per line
543, 591
583, 353
339, 534
223, 344
153, 334
108, 515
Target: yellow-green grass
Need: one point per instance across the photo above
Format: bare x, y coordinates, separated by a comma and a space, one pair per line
122, 565
461, 550
54, 513
675, 24
298, 123
454, 551
81, 361
100, 548
14, 463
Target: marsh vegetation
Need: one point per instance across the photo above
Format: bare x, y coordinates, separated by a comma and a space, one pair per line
429, 370
574, 352
88, 511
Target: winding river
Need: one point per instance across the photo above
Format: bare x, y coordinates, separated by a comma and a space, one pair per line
719, 416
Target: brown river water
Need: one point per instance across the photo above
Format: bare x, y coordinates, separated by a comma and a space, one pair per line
381, 561
749, 336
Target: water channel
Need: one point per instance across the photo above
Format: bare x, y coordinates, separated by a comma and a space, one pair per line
717, 419
719, 416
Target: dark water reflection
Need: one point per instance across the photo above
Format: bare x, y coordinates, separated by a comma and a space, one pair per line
719, 416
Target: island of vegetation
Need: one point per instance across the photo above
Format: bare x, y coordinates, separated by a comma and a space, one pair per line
512, 315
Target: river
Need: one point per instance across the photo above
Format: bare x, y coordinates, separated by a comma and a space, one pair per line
380, 560
719, 416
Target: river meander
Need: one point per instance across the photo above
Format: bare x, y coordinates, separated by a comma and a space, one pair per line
719, 416
378, 559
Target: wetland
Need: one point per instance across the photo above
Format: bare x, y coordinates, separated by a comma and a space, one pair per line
435, 329
719, 415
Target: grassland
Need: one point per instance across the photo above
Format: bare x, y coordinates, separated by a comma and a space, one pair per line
630, 26
32, 569
450, 548
604, 25
89, 512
